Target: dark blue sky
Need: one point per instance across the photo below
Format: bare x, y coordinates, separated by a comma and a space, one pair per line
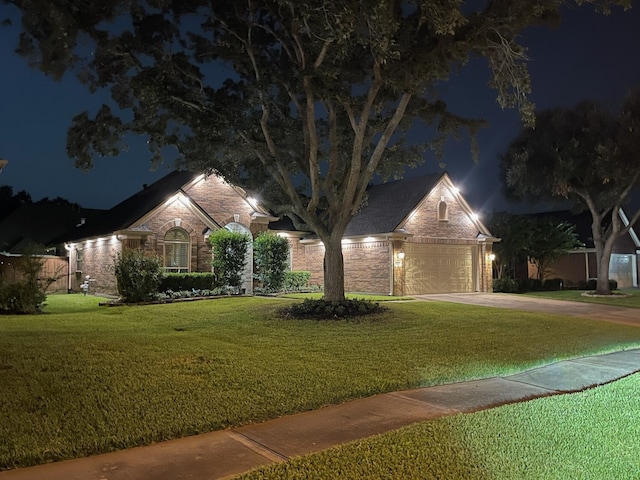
587, 56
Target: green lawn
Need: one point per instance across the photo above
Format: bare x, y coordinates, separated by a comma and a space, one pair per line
84, 379
633, 301
591, 435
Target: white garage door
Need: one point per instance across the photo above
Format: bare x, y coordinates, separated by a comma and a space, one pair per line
437, 268
622, 268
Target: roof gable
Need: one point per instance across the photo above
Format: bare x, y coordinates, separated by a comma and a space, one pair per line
127, 212
387, 205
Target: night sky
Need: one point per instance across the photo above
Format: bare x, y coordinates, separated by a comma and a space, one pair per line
587, 56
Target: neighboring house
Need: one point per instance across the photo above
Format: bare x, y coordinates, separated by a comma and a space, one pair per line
411, 236
172, 217
578, 265
38, 224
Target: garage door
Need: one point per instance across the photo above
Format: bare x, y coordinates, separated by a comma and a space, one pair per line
622, 268
438, 268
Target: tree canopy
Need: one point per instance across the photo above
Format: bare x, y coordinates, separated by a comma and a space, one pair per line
586, 155
300, 101
539, 239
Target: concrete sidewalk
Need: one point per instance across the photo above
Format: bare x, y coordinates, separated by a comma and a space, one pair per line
226, 453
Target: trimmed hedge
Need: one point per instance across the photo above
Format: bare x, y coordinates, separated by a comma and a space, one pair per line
295, 281
187, 281
552, 284
505, 285
592, 283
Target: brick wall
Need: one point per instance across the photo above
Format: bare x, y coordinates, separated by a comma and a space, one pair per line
98, 257
177, 215
424, 221
221, 201
367, 267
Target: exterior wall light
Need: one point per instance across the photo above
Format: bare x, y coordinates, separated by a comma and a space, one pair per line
492, 257
397, 262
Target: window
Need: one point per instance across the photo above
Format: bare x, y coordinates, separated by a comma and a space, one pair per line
176, 251
442, 211
78, 260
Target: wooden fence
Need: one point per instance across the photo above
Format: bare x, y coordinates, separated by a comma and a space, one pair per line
53, 267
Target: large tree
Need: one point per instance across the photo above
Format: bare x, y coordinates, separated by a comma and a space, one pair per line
300, 100
586, 155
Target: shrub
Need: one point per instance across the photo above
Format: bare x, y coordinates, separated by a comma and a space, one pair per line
229, 252
296, 281
138, 275
593, 282
324, 310
187, 281
271, 256
28, 294
552, 284
505, 284
21, 297
529, 285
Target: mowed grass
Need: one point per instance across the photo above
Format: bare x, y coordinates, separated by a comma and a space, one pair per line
84, 379
591, 435
631, 301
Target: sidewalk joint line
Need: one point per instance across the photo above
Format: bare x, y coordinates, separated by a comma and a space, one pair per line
258, 447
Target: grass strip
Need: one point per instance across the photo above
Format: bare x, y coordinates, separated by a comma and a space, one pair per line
84, 379
631, 301
591, 435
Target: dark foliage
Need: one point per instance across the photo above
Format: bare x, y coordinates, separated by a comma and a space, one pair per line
505, 285
325, 310
592, 282
138, 275
187, 281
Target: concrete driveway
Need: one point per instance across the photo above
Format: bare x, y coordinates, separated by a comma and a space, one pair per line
610, 313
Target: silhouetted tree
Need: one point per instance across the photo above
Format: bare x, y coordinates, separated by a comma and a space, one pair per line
588, 156
302, 101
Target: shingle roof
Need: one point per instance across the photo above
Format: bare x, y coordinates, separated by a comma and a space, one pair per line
389, 203
133, 208
386, 206
39, 223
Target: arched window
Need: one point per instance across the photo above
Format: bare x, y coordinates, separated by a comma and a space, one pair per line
442, 211
176, 251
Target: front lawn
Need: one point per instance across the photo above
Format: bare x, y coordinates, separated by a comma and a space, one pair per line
591, 435
84, 379
632, 301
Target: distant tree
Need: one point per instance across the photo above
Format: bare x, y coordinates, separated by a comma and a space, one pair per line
515, 233
59, 201
585, 155
10, 202
318, 96
548, 241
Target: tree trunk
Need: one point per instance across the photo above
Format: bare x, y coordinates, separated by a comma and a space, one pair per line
603, 258
333, 269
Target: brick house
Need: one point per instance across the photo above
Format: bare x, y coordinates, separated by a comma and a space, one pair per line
578, 265
412, 236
